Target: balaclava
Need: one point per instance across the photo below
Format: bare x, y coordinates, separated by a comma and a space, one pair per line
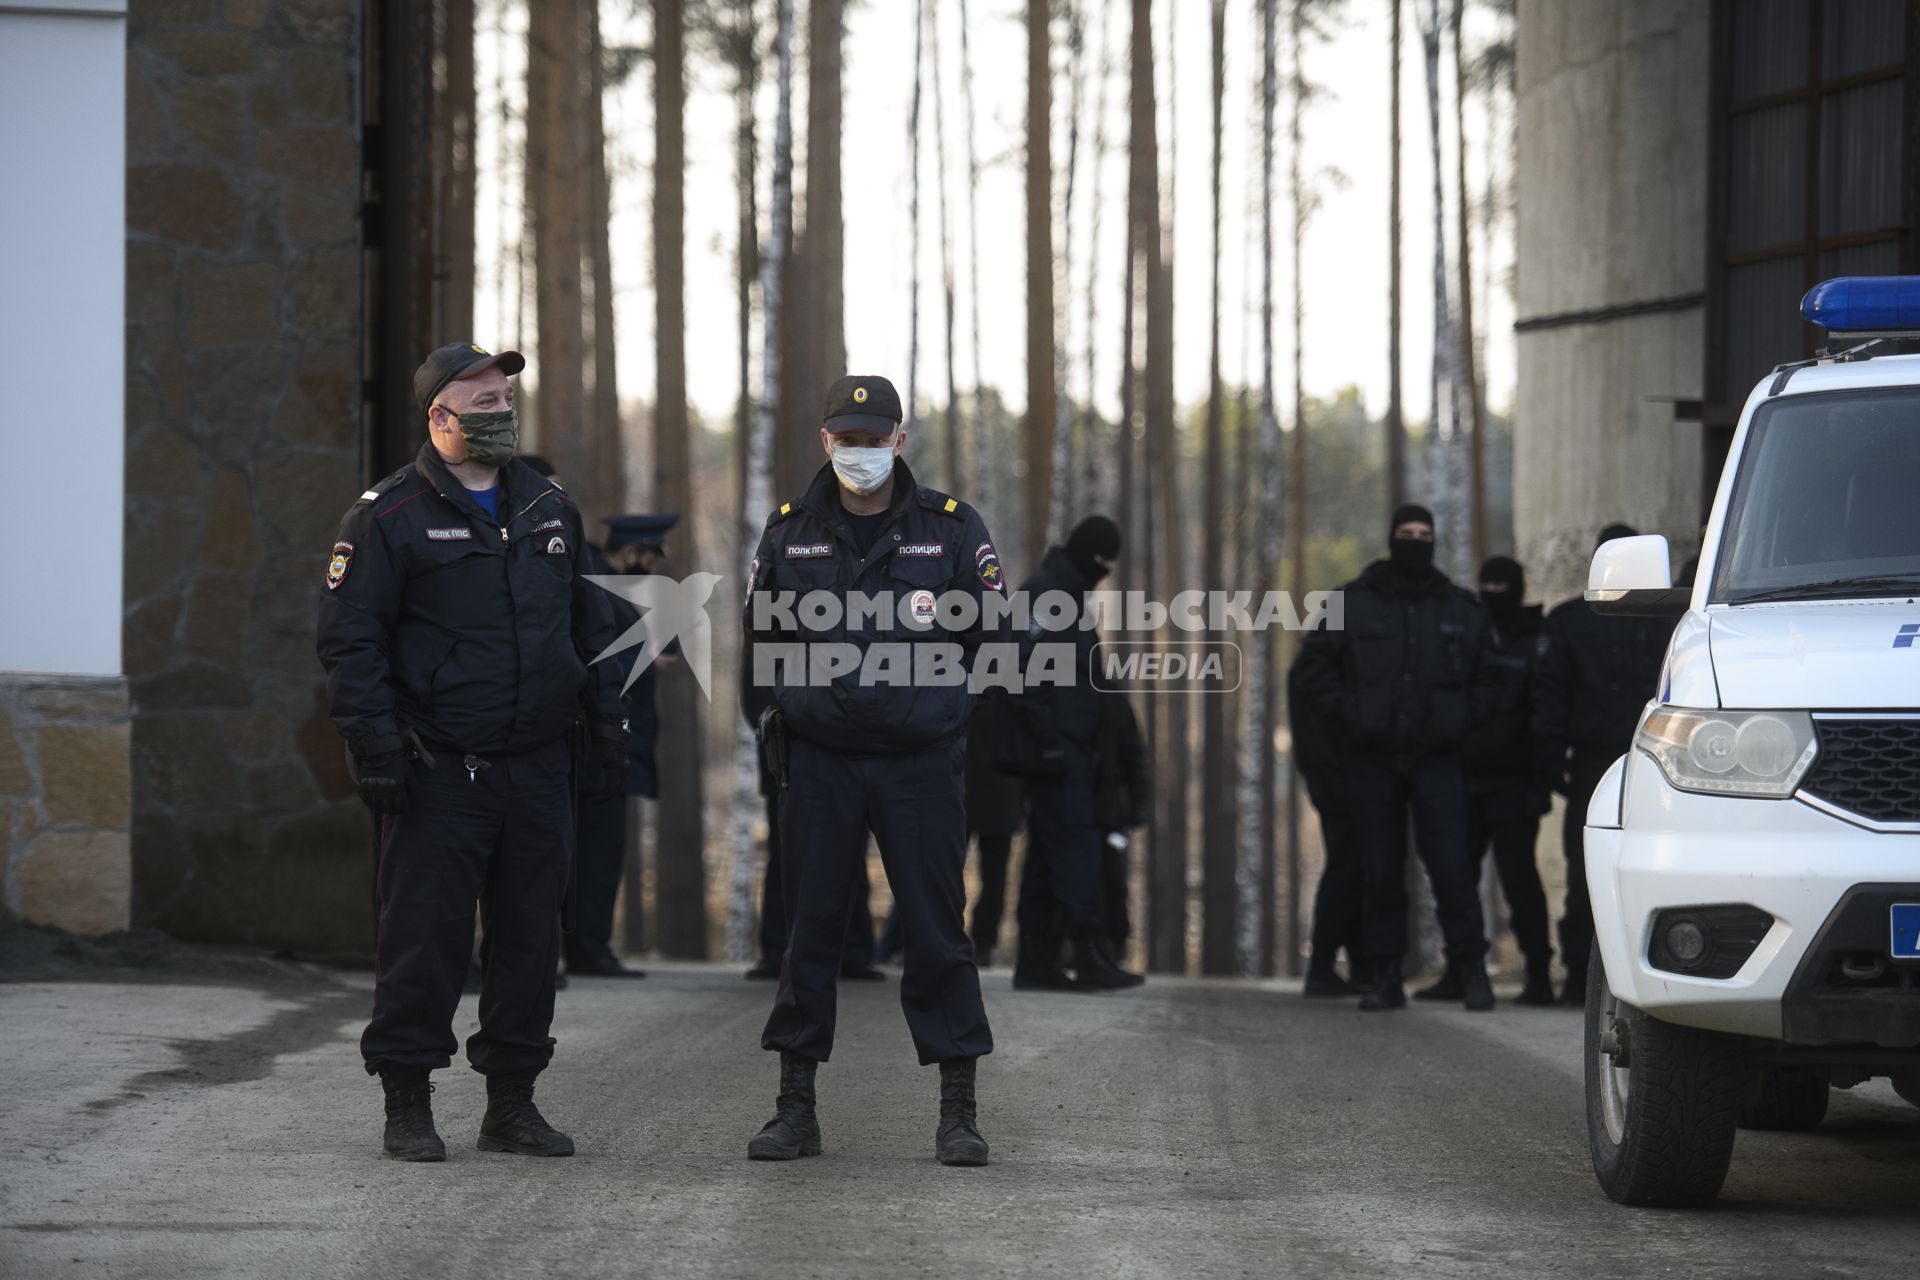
1094, 536
1503, 586
1411, 559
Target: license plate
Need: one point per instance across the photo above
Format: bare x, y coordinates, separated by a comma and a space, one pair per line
1906, 930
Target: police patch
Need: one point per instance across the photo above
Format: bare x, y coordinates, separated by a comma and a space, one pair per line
922, 605
808, 550
986, 563
556, 546
929, 549
551, 524
450, 535
337, 567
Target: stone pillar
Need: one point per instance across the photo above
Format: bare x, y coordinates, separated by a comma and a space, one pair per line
243, 407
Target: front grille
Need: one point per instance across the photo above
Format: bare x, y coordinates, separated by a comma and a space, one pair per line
1869, 767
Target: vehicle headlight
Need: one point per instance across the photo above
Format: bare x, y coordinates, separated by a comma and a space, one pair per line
1733, 753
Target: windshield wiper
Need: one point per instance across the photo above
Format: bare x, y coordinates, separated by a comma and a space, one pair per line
1835, 587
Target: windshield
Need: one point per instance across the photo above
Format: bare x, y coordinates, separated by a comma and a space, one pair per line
1824, 503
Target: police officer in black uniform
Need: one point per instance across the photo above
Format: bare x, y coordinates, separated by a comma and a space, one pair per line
872, 750
1402, 683
1504, 802
1061, 881
635, 544
1592, 677
1337, 925
457, 632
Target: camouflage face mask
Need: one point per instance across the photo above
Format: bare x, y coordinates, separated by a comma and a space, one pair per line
491, 437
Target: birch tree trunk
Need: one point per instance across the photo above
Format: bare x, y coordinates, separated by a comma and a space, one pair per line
967, 445
1396, 415
913, 218
1469, 379
1040, 362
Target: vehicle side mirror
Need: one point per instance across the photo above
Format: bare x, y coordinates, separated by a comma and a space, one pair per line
1634, 577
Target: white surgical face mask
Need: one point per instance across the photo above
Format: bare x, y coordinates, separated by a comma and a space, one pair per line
862, 470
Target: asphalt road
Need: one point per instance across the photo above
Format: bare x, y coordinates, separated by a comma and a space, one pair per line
1186, 1129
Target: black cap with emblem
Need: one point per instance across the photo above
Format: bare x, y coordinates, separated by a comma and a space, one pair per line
862, 402
459, 360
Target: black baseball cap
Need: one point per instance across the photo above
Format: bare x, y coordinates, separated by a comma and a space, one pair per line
862, 402
459, 360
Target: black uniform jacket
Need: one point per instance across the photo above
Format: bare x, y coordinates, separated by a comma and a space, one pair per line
1592, 677
643, 717
473, 631
1408, 675
929, 543
1499, 754
1063, 715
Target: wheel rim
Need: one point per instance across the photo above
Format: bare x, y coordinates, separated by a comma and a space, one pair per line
1616, 1080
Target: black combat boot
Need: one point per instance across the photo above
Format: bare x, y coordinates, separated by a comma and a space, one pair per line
410, 1132
794, 1131
1450, 986
1037, 968
1386, 992
513, 1123
958, 1140
1323, 980
1539, 989
1095, 969
1475, 991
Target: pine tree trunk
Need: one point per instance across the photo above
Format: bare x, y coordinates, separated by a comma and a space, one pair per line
826, 231
757, 455
912, 406
952, 424
682, 853
1297, 472
1396, 414
1469, 377
1095, 479
609, 467
1062, 501
964, 445
453, 117
1040, 363
1440, 433
1256, 800
755, 425
555, 183
1221, 858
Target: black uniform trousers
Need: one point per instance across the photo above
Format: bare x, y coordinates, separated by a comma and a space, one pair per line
600, 863
858, 952
1434, 790
1504, 820
503, 837
1337, 919
1060, 881
1576, 926
914, 804
996, 852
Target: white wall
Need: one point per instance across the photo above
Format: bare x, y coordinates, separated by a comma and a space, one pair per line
62, 327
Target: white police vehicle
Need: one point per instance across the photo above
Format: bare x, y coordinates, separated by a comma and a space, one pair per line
1754, 859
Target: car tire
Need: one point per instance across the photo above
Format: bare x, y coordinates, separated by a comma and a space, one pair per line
1661, 1126
1789, 1101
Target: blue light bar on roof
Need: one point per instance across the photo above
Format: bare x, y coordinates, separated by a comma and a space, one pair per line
1865, 304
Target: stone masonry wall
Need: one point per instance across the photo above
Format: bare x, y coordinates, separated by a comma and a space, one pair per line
243, 399
64, 802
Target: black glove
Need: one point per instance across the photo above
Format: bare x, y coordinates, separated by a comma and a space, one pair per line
383, 775
605, 774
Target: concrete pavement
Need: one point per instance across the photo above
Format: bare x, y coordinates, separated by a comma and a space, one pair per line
1188, 1128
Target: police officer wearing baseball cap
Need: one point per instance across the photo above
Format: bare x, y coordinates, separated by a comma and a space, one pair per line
458, 630
884, 754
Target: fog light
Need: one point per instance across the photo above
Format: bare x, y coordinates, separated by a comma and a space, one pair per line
1687, 943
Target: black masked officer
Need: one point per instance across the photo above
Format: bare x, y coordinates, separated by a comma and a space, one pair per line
871, 749
458, 632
